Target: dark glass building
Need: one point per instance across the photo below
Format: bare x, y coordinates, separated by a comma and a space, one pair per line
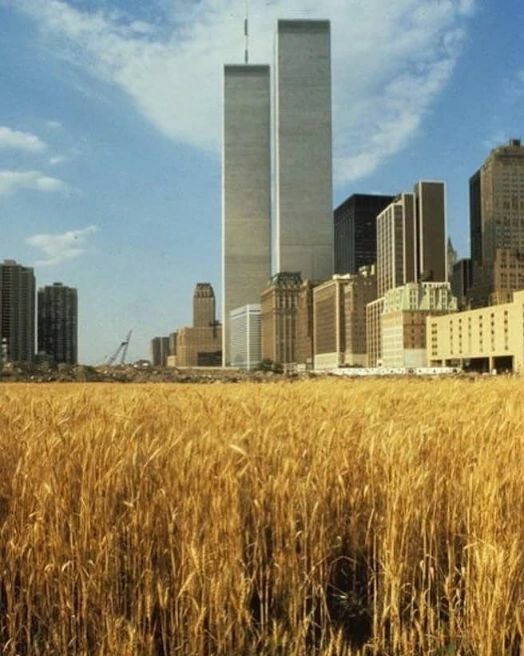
356, 231
58, 323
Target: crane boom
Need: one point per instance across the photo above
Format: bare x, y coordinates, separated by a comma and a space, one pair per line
121, 349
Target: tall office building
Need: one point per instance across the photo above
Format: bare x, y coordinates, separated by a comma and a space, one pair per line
302, 149
355, 223
159, 348
58, 322
497, 224
396, 256
199, 345
17, 311
411, 238
246, 189
245, 328
279, 309
461, 282
203, 305
431, 246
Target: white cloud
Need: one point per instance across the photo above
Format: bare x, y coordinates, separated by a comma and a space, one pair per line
60, 247
54, 125
15, 140
56, 159
11, 181
390, 61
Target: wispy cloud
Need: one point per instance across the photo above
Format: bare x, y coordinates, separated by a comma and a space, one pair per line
56, 159
391, 60
16, 140
54, 125
60, 247
11, 181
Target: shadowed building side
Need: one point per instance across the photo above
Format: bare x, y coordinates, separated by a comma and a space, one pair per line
246, 190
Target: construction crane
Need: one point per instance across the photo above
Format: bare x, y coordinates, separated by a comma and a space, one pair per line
122, 349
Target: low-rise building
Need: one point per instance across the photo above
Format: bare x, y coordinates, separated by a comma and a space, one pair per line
199, 347
245, 338
482, 339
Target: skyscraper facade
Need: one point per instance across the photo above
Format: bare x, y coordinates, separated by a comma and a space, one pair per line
497, 224
279, 308
431, 245
246, 190
396, 252
58, 323
303, 149
17, 311
159, 348
355, 223
203, 305
245, 336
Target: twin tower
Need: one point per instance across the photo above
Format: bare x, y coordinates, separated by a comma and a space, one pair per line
277, 158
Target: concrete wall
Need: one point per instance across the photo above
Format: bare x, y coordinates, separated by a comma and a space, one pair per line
303, 160
246, 189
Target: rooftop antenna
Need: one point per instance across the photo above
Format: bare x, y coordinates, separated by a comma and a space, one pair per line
246, 33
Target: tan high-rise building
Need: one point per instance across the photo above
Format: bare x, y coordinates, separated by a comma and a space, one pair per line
358, 293
497, 225
279, 303
199, 345
339, 319
203, 305
17, 311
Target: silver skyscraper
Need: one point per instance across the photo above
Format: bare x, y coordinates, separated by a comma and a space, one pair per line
246, 190
303, 149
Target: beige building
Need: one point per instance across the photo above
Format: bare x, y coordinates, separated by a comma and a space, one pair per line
358, 293
199, 345
483, 339
279, 304
404, 321
304, 344
203, 305
497, 225
374, 332
329, 326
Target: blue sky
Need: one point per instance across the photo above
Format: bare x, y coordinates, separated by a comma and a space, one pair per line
110, 132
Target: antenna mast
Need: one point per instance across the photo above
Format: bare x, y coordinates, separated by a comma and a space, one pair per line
246, 33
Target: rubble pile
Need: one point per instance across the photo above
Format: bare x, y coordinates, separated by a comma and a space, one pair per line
63, 373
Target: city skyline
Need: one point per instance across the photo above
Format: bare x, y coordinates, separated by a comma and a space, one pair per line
100, 191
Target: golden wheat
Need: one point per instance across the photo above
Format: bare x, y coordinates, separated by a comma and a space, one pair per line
330, 517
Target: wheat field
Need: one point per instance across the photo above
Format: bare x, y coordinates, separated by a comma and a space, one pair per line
322, 517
